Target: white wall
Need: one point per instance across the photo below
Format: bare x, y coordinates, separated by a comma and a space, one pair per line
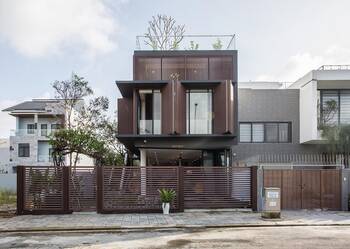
308, 112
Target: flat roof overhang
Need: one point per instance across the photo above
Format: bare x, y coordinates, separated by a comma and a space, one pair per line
126, 87
231, 52
198, 142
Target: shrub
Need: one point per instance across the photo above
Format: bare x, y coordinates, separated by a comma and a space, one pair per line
167, 195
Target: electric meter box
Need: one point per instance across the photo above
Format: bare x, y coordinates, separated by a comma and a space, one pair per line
272, 202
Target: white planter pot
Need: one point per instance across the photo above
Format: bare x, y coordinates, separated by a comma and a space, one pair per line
166, 207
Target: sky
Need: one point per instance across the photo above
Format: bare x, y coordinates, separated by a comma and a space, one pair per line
46, 40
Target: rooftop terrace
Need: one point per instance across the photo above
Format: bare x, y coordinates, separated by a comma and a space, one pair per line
189, 42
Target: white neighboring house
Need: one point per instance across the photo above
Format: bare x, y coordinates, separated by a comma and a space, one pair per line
35, 121
329, 82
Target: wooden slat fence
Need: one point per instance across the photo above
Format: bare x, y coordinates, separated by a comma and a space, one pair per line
115, 189
82, 189
217, 187
135, 189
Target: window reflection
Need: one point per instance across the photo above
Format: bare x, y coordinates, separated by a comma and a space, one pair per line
199, 111
149, 112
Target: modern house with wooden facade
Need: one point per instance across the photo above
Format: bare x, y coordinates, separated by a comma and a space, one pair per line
180, 108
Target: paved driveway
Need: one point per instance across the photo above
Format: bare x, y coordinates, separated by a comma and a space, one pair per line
187, 219
267, 237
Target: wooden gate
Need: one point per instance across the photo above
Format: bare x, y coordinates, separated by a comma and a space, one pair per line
306, 188
217, 187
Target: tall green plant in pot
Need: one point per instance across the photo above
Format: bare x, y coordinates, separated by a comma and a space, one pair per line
166, 197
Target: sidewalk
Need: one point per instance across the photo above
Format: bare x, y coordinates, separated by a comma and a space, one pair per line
93, 221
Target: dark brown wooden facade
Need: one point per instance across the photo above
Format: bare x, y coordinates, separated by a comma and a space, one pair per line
174, 73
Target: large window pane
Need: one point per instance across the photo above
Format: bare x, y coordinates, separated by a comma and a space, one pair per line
197, 68
258, 133
173, 67
345, 107
149, 112
199, 111
148, 69
271, 131
220, 68
283, 130
245, 133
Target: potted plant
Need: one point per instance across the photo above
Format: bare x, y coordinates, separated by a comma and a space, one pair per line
166, 197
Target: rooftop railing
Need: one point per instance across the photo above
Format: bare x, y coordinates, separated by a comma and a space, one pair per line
334, 67
190, 42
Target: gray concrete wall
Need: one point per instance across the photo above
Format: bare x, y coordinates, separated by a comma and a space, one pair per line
260, 105
8, 181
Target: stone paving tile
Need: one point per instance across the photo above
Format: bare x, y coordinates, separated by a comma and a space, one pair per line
187, 218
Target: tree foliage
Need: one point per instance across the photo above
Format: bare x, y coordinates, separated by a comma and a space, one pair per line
163, 33
89, 132
217, 45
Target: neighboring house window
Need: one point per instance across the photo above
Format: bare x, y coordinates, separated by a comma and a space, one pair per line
149, 111
199, 110
43, 129
341, 99
265, 132
55, 126
23, 150
30, 128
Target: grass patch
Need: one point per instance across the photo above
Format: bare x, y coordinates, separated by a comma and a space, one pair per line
7, 196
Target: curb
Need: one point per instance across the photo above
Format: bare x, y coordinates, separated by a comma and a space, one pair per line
116, 229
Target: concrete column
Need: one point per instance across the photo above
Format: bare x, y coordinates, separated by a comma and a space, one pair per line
345, 188
143, 164
260, 187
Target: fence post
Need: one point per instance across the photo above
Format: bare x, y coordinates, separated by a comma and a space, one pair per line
20, 190
65, 188
99, 189
254, 189
181, 188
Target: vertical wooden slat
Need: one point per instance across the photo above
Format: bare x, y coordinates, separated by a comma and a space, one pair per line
65, 189
180, 186
20, 189
254, 190
99, 188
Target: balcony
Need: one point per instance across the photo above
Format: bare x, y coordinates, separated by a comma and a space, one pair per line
194, 42
33, 132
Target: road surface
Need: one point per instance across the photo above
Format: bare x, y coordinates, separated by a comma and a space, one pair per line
265, 237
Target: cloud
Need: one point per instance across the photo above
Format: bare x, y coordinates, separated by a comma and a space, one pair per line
300, 64
39, 28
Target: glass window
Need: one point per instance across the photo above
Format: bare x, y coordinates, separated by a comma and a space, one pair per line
173, 67
196, 68
30, 128
43, 129
283, 132
220, 68
199, 111
148, 69
245, 134
55, 126
330, 116
345, 107
149, 111
23, 150
258, 133
271, 132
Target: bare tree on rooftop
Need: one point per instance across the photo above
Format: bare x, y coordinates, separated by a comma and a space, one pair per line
163, 33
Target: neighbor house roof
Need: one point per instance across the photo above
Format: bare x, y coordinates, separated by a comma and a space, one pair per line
35, 105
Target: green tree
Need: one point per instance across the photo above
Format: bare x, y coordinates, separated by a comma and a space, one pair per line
217, 45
